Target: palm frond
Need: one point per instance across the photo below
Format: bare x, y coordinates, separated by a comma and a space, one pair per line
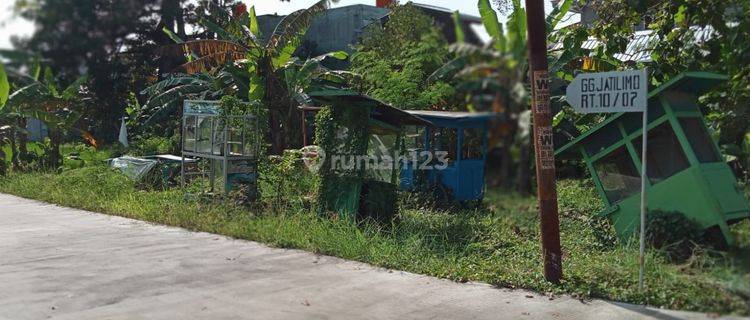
253, 25
219, 30
174, 37
339, 77
4, 87
288, 33
467, 49
27, 94
201, 48
207, 62
172, 80
339, 55
176, 93
492, 24
72, 90
448, 70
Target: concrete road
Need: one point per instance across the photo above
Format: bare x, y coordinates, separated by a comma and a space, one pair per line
69, 264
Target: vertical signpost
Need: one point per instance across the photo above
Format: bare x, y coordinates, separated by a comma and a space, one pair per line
543, 146
618, 91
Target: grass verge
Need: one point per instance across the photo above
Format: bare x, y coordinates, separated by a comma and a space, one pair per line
497, 245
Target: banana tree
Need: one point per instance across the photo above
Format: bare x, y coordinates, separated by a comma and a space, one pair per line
240, 44
4, 93
165, 96
57, 107
496, 73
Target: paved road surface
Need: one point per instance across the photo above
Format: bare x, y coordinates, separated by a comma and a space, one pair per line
69, 264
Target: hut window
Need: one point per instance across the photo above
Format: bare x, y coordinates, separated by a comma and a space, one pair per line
606, 137
618, 175
472, 144
682, 101
665, 156
445, 140
699, 140
379, 164
633, 121
414, 138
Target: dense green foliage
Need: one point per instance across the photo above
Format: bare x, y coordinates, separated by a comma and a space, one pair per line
41, 97
405, 62
342, 131
234, 59
691, 35
498, 245
112, 41
395, 61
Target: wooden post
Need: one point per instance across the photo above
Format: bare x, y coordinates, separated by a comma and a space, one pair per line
543, 144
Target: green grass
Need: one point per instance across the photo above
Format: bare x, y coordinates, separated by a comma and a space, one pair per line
498, 244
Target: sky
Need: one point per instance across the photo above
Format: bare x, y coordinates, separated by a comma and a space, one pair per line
11, 25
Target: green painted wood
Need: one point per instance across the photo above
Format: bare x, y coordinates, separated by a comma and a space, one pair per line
595, 177
694, 81
679, 132
706, 193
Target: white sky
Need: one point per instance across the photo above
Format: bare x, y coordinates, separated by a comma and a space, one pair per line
11, 25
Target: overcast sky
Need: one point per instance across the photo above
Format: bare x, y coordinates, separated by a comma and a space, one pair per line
11, 25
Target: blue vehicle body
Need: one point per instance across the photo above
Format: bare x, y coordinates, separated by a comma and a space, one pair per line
463, 136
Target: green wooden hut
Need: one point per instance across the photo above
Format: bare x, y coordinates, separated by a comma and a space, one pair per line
361, 139
686, 171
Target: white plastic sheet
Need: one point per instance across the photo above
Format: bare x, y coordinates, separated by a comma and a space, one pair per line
132, 167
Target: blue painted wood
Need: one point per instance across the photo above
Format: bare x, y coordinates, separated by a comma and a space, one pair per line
463, 179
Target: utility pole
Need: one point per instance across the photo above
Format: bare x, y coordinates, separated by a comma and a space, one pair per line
543, 145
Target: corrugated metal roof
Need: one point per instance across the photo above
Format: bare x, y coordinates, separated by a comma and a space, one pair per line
452, 114
642, 43
465, 17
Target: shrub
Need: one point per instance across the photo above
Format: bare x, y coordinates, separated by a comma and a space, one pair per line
155, 145
673, 233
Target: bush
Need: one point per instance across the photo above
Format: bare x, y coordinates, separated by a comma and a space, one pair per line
673, 233
155, 145
285, 183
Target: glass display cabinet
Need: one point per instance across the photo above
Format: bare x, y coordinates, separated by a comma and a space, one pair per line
686, 172
226, 147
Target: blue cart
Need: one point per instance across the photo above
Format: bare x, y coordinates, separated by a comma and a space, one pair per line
449, 157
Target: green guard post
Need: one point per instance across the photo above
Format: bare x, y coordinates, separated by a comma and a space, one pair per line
686, 171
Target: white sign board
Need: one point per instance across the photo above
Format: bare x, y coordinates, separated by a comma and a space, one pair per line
605, 92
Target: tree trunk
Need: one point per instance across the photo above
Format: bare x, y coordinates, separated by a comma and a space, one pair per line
524, 167
276, 103
277, 143
506, 163
294, 126
55, 158
14, 149
23, 139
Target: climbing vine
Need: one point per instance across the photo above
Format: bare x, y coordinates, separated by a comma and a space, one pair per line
342, 134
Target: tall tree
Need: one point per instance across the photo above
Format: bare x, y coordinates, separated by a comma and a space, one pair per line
111, 40
688, 35
396, 59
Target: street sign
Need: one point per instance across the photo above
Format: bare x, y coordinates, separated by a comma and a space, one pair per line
606, 92
617, 91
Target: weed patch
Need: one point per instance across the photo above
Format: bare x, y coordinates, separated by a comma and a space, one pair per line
497, 243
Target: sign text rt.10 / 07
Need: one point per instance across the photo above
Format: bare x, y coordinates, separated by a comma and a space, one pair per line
606, 92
